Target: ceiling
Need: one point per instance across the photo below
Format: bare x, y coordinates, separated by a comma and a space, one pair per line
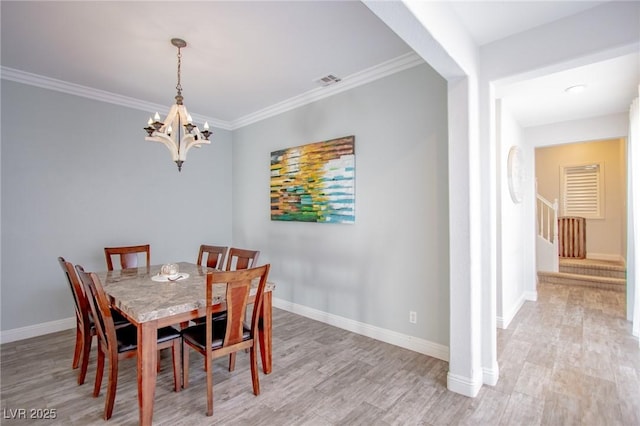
243, 57
488, 21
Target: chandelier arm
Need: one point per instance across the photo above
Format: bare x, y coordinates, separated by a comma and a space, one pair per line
167, 141
188, 142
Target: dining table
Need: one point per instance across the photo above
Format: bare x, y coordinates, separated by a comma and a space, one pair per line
150, 301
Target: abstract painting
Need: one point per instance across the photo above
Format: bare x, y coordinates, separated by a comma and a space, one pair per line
314, 182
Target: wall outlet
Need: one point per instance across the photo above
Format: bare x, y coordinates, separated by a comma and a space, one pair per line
413, 317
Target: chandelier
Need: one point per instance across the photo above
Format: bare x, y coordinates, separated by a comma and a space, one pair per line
177, 132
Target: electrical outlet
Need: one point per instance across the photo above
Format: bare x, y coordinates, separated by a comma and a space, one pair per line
413, 317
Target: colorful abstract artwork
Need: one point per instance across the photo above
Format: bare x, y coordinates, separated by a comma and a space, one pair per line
314, 182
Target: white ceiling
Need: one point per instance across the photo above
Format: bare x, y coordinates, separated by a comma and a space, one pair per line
243, 57
489, 21
610, 87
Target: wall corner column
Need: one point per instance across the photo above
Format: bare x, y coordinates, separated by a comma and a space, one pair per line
465, 374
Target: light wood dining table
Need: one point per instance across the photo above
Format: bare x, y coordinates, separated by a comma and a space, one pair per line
150, 305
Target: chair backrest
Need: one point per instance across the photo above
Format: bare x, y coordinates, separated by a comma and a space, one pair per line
215, 256
100, 309
237, 297
128, 255
79, 296
241, 259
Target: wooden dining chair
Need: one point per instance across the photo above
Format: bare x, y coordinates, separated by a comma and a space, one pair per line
116, 344
241, 259
236, 260
215, 256
215, 339
85, 329
128, 255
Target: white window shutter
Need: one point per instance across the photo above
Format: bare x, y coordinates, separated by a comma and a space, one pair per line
582, 191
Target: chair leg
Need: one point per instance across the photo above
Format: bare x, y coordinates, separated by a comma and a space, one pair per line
78, 349
232, 361
185, 365
158, 362
253, 358
86, 350
111, 387
177, 364
99, 371
209, 369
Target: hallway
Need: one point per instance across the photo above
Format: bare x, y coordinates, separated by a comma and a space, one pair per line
570, 359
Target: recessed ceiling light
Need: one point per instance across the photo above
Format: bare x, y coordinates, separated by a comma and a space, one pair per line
576, 89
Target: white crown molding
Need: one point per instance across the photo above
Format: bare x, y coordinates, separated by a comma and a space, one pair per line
384, 69
96, 94
392, 337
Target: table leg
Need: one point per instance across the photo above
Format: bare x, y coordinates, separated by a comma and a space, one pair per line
264, 332
147, 361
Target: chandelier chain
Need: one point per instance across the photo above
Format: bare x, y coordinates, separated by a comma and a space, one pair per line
179, 86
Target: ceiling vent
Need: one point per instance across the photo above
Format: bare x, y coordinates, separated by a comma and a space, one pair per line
327, 80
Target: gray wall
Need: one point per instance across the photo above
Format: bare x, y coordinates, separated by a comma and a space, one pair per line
395, 258
77, 175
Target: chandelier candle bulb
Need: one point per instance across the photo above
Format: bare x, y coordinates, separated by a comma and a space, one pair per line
205, 133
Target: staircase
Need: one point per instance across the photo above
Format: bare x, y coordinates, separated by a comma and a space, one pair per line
588, 273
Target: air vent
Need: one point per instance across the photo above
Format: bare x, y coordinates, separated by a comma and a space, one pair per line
327, 80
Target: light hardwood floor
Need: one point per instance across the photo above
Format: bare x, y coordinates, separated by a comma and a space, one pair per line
567, 359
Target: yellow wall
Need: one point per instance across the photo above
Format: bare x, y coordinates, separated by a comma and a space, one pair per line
605, 237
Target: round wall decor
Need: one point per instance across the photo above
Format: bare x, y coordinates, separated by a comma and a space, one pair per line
515, 173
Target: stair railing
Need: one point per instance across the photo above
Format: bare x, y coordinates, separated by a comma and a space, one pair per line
547, 219
547, 235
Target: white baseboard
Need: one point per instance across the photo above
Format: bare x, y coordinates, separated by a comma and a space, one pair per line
402, 340
504, 321
35, 330
394, 338
464, 385
606, 256
490, 375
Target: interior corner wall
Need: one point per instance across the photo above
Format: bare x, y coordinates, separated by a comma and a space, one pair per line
395, 258
77, 175
434, 31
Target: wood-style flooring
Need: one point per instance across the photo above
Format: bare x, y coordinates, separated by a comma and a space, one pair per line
567, 359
